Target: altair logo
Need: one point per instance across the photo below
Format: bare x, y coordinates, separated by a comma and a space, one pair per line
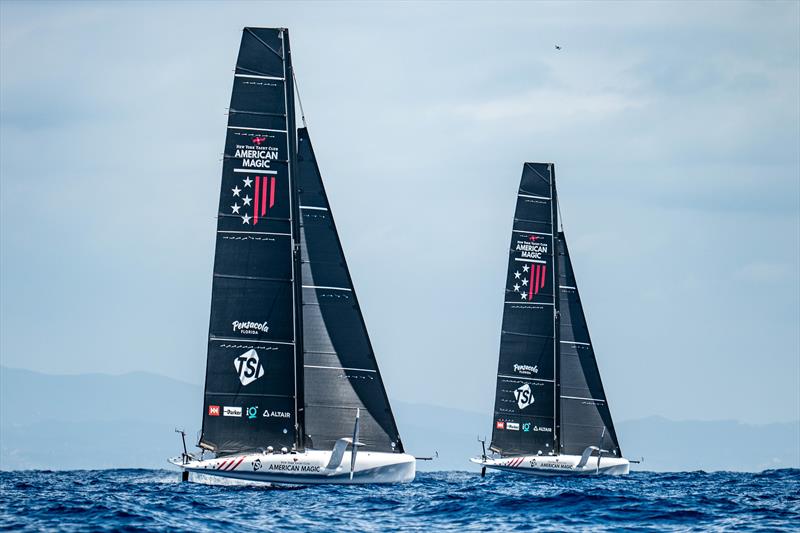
248, 367
524, 396
276, 414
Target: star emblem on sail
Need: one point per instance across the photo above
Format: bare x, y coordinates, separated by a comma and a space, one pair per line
263, 188
530, 281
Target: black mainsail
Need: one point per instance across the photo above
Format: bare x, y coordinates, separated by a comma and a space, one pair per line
341, 373
525, 410
585, 416
252, 392
549, 398
289, 358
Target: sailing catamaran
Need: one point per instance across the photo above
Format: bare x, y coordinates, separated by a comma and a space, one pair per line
551, 414
293, 393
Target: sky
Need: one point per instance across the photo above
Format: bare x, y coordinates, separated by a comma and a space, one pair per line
674, 128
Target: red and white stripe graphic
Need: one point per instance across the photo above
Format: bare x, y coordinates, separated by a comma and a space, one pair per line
265, 196
515, 462
538, 275
230, 464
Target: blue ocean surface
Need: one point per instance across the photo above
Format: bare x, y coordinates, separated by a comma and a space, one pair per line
154, 500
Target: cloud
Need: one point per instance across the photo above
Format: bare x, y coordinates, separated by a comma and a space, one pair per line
549, 108
770, 273
674, 130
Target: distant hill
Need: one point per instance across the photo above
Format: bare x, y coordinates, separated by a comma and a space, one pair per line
104, 421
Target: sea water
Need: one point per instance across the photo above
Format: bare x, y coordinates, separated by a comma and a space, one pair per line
155, 500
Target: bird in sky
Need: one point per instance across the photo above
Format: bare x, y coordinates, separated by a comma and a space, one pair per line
558, 47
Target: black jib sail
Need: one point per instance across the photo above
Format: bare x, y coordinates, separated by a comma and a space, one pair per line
251, 390
341, 373
525, 410
585, 416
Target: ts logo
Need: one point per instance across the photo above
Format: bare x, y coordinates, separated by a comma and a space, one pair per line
524, 396
248, 367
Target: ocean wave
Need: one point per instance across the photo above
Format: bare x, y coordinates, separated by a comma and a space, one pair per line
154, 500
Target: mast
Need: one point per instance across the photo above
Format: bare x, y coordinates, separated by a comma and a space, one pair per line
556, 311
296, 277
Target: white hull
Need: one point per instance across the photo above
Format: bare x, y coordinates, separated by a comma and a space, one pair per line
556, 465
308, 468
